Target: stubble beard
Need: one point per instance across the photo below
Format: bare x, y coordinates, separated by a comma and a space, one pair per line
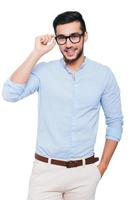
71, 61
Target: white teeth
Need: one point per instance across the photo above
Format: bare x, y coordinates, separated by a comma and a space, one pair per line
70, 52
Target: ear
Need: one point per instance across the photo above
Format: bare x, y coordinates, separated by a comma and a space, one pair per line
85, 36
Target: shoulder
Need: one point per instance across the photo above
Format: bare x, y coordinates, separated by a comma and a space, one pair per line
42, 67
101, 73
98, 67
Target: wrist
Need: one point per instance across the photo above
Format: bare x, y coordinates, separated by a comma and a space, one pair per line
36, 53
103, 166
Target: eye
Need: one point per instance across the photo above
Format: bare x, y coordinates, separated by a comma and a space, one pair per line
61, 37
75, 35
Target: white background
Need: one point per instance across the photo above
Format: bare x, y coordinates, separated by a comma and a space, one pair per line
111, 33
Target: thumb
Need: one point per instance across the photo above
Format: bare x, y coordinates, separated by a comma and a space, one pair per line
52, 44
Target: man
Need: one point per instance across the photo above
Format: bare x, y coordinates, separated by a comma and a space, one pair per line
71, 91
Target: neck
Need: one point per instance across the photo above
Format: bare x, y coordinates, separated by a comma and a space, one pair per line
76, 64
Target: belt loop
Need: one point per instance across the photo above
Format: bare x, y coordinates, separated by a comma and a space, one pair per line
49, 160
83, 162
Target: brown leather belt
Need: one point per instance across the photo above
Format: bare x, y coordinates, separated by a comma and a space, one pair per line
68, 164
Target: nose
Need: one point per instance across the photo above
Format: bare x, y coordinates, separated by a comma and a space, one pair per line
68, 43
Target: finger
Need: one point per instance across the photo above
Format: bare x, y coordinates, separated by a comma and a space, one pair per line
52, 44
50, 37
40, 38
47, 36
44, 39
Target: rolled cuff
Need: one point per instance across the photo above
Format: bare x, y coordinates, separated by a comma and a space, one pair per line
16, 85
12, 91
114, 133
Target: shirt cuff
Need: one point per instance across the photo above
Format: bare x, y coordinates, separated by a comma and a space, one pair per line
15, 85
114, 133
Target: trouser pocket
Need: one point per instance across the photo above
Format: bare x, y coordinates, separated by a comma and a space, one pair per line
98, 174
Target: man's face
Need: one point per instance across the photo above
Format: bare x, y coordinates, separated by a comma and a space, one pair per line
71, 50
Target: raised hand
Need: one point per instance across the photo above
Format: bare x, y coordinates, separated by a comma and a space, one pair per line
44, 43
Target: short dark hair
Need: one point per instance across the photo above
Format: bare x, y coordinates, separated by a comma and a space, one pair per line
67, 17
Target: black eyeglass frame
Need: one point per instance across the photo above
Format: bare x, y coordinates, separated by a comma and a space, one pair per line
66, 37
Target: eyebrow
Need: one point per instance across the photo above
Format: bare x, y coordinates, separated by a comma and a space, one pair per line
69, 34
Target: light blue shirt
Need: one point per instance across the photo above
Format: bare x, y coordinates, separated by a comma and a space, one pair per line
68, 106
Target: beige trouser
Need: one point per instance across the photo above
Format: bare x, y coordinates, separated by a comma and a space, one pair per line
54, 182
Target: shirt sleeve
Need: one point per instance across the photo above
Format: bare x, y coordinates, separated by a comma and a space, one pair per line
13, 92
111, 104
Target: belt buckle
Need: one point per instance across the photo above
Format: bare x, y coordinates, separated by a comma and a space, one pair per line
70, 164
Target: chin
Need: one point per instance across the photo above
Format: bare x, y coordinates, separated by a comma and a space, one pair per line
70, 60
74, 58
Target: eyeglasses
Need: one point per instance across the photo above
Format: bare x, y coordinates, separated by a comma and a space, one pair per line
74, 38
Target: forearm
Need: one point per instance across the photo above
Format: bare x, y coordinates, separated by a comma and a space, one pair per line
22, 73
43, 44
109, 148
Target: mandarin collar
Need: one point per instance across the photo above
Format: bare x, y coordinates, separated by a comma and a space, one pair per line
80, 67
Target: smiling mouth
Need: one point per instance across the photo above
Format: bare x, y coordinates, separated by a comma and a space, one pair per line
70, 52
